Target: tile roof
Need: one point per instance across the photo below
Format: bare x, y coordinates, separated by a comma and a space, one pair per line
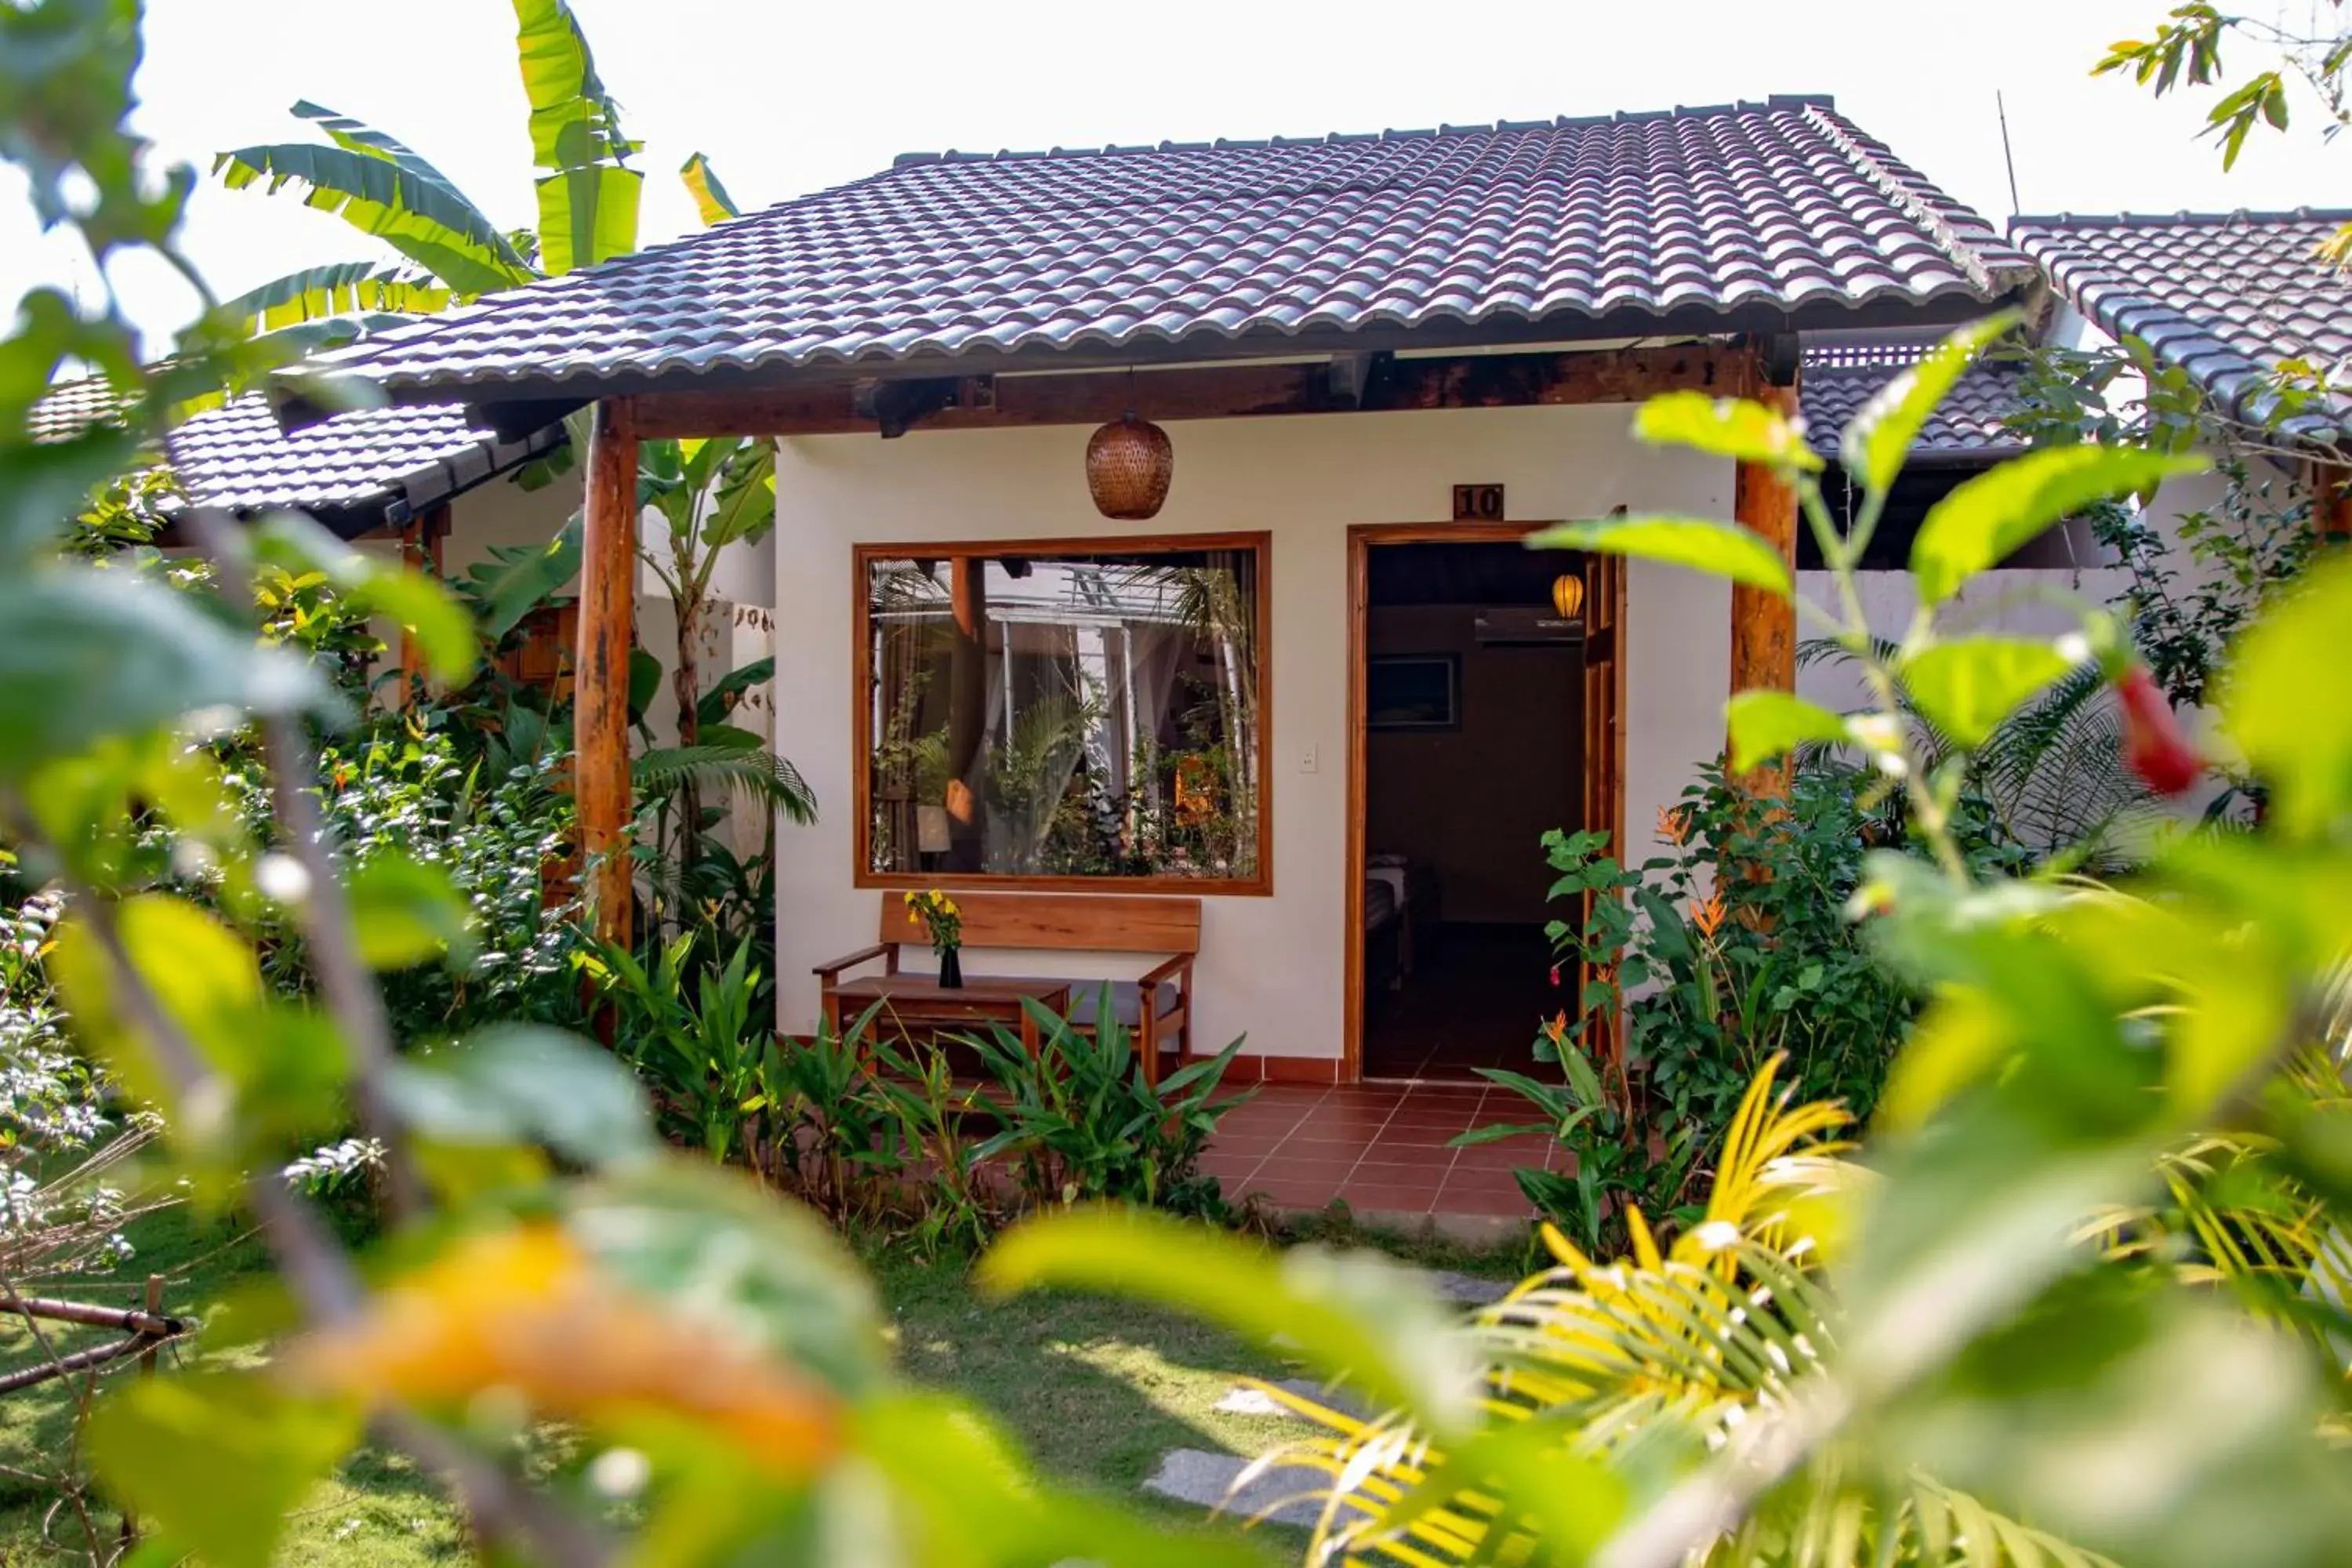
2226, 295
1695, 219
1837, 380
385, 463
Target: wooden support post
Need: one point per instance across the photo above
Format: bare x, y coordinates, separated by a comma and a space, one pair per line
608, 569
2331, 502
1764, 625
967, 710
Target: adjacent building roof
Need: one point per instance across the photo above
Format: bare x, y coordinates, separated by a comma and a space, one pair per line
1838, 379
1773, 215
2225, 296
356, 471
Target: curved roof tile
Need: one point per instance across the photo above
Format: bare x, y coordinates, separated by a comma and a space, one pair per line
1593, 225
2228, 297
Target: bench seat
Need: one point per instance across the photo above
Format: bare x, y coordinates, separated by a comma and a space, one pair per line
1126, 999
1165, 931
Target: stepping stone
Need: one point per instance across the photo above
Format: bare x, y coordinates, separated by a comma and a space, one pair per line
1247, 1399
1206, 1479
1468, 1290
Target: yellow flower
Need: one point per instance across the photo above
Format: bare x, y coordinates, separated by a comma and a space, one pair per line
948, 906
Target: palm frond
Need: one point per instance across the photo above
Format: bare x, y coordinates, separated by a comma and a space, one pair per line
1689, 1348
431, 224
338, 289
761, 775
2055, 771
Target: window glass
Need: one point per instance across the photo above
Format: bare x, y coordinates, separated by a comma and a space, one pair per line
1059, 714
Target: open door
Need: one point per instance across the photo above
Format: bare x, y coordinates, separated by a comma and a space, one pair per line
1604, 747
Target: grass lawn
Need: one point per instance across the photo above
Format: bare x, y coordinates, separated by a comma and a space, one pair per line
1098, 1389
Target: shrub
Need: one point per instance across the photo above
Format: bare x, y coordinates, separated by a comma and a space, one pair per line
404, 791
875, 1132
1080, 1122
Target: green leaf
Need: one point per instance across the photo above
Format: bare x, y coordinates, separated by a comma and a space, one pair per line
1985, 519
966, 1481
422, 604
1874, 446
745, 506
587, 215
718, 1248
1968, 686
1768, 724
714, 766
718, 701
338, 288
407, 913
45, 485
2219, 1413
1726, 428
528, 1084
710, 198
518, 582
1356, 1315
1703, 544
355, 136
2287, 708
201, 974
429, 224
217, 1460
574, 122
444, 631
644, 682
91, 654
285, 1062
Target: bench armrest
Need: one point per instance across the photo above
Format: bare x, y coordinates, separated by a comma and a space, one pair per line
829, 972
1177, 968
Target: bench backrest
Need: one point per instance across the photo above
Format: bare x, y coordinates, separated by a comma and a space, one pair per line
1081, 922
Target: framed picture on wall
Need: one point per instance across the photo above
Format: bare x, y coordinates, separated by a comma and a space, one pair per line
1413, 691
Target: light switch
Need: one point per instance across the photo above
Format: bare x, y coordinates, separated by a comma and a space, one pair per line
1310, 759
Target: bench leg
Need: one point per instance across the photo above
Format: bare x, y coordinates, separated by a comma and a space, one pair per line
1147, 1040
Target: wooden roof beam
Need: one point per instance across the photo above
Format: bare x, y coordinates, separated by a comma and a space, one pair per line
860, 405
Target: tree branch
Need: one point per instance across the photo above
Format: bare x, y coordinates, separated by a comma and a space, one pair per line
324, 910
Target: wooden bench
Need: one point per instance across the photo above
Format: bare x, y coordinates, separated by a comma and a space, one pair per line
1156, 1008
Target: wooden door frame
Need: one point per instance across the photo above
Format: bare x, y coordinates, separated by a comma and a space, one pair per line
1361, 537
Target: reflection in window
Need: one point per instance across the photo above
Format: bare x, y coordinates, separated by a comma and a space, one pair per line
1064, 715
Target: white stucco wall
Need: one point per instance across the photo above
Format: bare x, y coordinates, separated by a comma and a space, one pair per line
1270, 966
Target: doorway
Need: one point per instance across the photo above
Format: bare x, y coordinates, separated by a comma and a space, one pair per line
1482, 717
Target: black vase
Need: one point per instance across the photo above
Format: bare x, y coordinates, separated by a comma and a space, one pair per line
951, 969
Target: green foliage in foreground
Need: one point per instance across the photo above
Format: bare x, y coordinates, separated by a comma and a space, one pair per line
1099, 1389
2099, 1186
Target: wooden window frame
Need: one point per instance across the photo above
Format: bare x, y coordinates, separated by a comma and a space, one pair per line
863, 875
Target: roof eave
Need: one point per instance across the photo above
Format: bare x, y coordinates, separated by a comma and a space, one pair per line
506, 404
411, 495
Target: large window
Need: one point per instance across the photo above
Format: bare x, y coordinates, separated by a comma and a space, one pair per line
1060, 711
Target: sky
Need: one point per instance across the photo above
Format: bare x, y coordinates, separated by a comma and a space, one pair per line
788, 98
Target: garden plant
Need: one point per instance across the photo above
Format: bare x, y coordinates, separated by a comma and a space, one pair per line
2074, 1300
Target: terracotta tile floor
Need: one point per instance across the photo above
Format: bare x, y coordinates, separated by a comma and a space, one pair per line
1382, 1147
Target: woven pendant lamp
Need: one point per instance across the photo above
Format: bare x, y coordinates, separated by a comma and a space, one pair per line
1130, 462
